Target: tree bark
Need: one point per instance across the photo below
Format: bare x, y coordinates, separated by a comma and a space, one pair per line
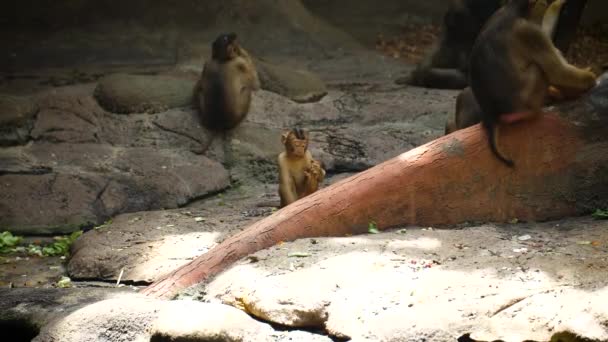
561, 170
569, 20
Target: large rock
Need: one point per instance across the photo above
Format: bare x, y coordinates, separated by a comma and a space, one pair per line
29, 309
298, 85
142, 246
85, 184
16, 119
74, 315
513, 283
125, 94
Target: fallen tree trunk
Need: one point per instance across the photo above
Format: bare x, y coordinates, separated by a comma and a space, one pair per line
561, 170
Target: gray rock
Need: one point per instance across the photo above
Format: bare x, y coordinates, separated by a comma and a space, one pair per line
195, 321
298, 85
146, 245
37, 307
74, 315
16, 110
125, 94
434, 284
85, 184
123, 318
16, 119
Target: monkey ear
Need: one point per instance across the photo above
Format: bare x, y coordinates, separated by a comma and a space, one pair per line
284, 137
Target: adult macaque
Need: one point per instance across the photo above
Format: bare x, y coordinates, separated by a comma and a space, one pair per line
226, 84
446, 67
513, 63
467, 111
299, 174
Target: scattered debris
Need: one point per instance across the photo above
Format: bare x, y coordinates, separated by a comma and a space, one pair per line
64, 282
298, 255
412, 44
524, 237
122, 270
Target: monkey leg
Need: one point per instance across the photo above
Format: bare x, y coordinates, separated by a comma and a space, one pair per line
440, 78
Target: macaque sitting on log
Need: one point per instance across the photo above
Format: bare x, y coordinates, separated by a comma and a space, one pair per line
513, 63
467, 112
299, 174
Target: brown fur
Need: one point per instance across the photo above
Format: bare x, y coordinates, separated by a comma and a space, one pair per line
513, 63
299, 174
467, 112
226, 84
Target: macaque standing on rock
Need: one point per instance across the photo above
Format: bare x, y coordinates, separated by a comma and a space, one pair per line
227, 81
299, 174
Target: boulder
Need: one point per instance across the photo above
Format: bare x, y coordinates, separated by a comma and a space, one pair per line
16, 119
126, 94
84, 185
298, 85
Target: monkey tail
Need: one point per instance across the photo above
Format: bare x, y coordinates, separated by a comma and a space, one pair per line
492, 130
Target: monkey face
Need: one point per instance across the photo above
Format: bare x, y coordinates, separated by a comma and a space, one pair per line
296, 147
224, 47
295, 141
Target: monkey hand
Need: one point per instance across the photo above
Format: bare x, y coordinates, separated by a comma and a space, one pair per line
317, 169
555, 93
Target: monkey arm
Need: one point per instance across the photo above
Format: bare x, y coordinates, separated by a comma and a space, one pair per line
256, 84
287, 188
544, 54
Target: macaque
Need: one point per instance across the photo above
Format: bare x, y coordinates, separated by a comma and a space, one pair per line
225, 88
446, 67
299, 174
467, 111
513, 63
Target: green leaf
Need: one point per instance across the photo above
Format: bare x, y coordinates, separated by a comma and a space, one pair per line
372, 227
8, 241
600, 214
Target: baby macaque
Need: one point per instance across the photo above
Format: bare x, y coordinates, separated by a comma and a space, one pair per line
299, 174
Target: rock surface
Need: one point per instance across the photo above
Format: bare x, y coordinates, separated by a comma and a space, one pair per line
126, 94
85, 165
511, 282
298, 85
16, 119
85, 184
74, 315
